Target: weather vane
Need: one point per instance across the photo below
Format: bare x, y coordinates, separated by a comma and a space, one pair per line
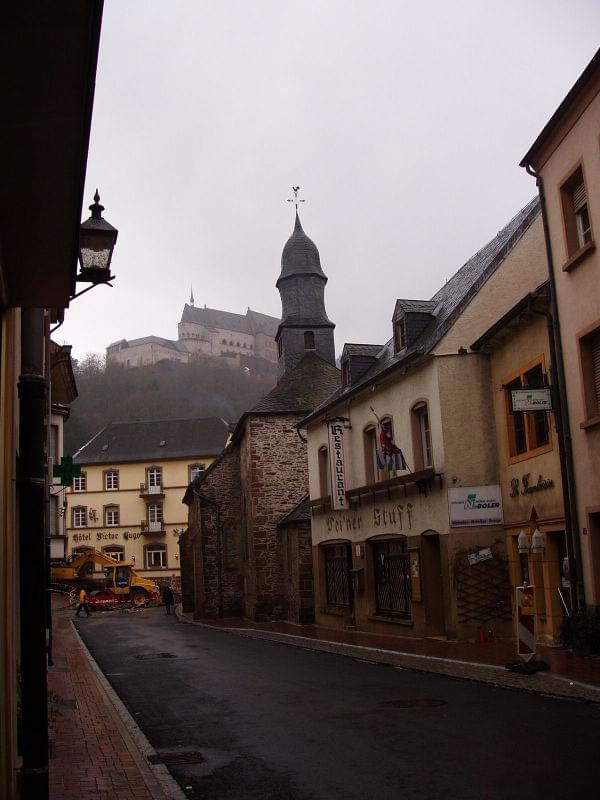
295, 199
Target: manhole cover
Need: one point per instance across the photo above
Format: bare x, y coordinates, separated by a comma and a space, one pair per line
172, 759
414, 702
148, 656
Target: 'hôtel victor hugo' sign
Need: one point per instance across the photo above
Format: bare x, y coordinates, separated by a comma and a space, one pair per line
339, 502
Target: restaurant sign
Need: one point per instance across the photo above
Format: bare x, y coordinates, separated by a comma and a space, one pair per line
531, 399
475, 505
339, 501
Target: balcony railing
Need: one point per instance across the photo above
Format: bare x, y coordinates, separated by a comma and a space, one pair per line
154, 527
151, 491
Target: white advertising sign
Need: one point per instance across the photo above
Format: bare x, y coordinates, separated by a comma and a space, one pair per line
531, 400
339, 501
475, 505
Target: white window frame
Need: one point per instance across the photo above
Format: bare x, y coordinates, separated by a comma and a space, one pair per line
79, 517
110, 520
80, 483
154, 477
117, 555
152, 552
111, 477
196, 470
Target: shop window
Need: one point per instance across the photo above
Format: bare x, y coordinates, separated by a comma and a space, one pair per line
589, 354
421, 431
324, 477
156, 556
576, 215
111, 479
114, 551
528, 432
80, 483
79, 517
392, 577
337, 574
309, 340
111, 516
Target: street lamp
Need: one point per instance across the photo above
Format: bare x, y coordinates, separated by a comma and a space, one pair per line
523, 542
538, 541
97, 239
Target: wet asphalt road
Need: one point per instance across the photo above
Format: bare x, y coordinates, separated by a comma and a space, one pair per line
272, 721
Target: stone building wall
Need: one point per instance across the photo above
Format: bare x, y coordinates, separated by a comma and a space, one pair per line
298, 571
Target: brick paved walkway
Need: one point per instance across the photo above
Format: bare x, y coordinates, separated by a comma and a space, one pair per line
91, 753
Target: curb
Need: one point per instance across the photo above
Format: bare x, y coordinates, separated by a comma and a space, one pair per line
543, 683
158, 779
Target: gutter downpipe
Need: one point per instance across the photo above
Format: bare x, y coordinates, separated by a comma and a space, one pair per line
561, 417
32, 554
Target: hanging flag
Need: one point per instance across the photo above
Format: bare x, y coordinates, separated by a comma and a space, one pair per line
389, 456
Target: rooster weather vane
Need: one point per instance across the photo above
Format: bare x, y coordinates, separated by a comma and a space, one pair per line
295, 199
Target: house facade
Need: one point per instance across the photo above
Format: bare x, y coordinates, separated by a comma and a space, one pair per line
203, 331
127, 501
538, 539
412, 542
240, 510
565, 158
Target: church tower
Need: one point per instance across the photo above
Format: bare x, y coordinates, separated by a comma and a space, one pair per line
304, 326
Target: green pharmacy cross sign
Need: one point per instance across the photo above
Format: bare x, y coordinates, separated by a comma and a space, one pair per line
66, 471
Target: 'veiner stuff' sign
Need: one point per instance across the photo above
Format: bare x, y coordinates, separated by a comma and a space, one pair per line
339, 500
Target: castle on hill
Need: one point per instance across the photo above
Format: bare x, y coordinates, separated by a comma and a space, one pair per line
204, 331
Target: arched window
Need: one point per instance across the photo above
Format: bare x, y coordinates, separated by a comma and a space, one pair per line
324, 477
421, 436
375, 470
309, 340
115, 551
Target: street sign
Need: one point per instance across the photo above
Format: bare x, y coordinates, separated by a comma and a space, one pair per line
525, 604
531, 399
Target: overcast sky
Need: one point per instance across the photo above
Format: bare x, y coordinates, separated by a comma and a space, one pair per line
403, 123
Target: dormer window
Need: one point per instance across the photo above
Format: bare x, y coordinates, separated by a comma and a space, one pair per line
399, 335
309, 340
346, 373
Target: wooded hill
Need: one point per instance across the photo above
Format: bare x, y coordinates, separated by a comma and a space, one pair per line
207, 387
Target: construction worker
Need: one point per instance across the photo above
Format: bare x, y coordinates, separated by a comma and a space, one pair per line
83, 603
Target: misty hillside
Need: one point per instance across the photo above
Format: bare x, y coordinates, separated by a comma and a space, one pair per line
206, 387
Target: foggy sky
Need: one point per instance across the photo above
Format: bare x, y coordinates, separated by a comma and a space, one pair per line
403, 123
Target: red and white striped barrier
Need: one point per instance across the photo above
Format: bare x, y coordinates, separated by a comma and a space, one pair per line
525, 622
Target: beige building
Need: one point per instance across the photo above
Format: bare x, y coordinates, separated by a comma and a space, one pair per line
421, 550
127, 502
566, 160
537, 542
203, 331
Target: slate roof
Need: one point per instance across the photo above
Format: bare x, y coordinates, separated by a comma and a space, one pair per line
147, 340
371, 350
300, 255
449, 301
249, 323
416, 306
301, 388
140, 440
300, 513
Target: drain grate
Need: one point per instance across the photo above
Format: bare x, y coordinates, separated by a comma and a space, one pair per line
149, 656
175, 758
414, 702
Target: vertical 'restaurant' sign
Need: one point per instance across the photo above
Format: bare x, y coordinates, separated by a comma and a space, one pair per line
336, 465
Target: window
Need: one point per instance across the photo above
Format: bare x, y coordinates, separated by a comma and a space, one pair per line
156, 556
155, 517
309, 340
114, 551
154, 476
576, 216
79, 516
279, 348
111, 515
527, 431
346, 373
373, 473
337, 574
196, 471
589, 353
421, 431
111, 479
399, 335
80, 483
324, 478
392, 577
223, 341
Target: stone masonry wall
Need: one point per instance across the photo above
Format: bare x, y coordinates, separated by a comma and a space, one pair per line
298, 572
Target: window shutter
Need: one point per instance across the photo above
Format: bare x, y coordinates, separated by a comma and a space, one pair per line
596, 368
578, 194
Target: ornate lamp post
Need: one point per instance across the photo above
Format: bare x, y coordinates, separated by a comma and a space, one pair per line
97, 239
